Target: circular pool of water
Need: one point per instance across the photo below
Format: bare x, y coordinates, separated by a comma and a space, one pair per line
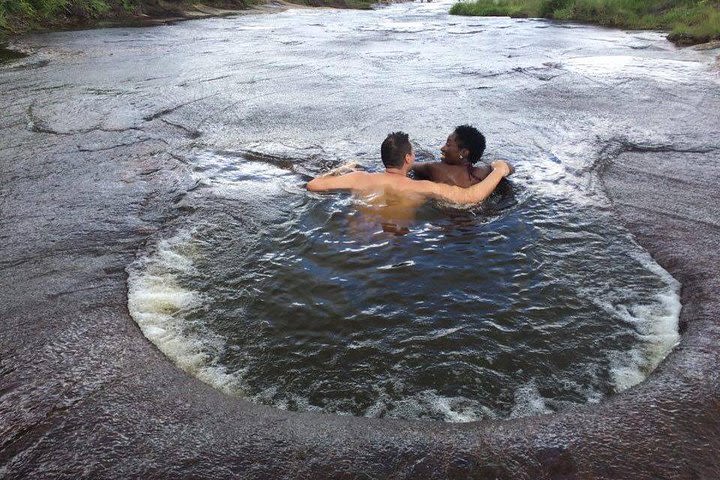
305, 302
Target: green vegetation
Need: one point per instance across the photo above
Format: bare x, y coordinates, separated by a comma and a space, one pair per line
354, 4
18, 16
690, 21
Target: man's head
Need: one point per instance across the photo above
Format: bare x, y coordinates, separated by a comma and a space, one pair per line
396, 150
465, 144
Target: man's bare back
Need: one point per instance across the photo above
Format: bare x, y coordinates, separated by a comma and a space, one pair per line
393, 209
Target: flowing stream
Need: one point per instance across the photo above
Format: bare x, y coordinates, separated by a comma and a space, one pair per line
302, 301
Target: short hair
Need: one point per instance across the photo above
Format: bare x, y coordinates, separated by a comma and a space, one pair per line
394, 148
469, 137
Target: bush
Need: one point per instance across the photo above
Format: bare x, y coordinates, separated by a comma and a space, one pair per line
691, 21
17, 14
22, 15
548, 7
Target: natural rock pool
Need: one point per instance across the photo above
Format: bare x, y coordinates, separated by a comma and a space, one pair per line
161, 171
302, 302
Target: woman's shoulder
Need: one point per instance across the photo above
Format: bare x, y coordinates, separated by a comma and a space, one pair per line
480, 170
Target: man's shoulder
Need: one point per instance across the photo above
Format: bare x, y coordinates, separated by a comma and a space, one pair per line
347, 181
361, 179
425, 187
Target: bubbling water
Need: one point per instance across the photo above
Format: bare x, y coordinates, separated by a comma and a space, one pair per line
307, 303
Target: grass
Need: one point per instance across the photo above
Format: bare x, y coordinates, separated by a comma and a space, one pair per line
354, 4
689, 21
19, 16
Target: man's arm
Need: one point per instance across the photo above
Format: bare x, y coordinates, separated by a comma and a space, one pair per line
475, 194
349, 167
341, 182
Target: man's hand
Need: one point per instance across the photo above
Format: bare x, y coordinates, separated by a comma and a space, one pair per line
503, 167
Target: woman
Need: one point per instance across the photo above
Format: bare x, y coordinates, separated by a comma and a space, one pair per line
462, 150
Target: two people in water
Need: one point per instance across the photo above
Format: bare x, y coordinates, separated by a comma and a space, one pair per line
455, 179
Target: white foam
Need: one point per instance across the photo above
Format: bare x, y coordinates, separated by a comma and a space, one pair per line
434, 335
528, 401
396, 266
456, 409
657, 326
656, 323
159, 305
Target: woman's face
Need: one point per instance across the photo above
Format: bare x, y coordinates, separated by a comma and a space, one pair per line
450, 152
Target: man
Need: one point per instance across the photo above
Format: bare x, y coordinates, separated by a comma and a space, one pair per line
398, 158
463, 148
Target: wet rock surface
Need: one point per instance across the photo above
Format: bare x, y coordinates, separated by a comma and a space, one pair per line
96, 161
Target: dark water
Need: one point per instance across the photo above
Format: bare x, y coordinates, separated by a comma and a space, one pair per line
302, 301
